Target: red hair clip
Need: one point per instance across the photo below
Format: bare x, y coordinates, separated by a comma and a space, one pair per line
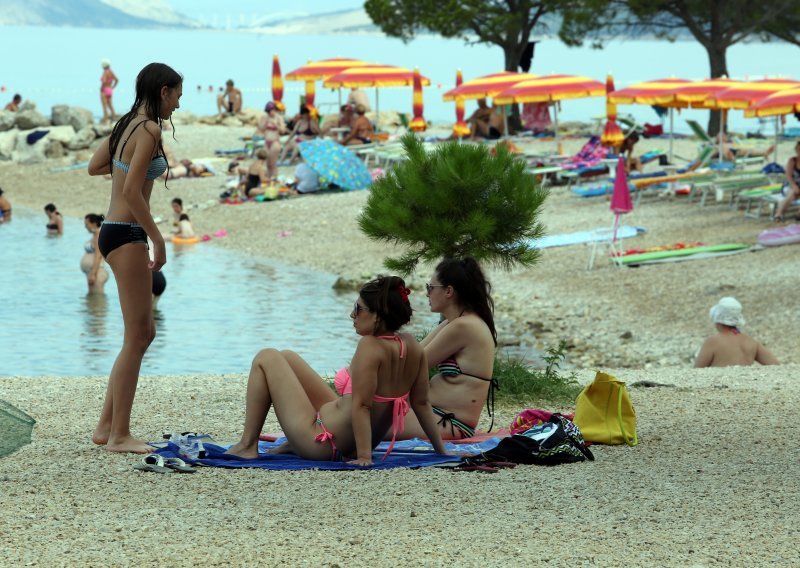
404, 292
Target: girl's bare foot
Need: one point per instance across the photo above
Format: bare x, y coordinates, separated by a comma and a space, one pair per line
100, 436
246, 452
284, 448
128, 445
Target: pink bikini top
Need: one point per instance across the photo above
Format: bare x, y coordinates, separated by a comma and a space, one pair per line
400, 405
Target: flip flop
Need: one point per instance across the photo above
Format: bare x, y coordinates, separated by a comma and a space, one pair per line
177, 464
154, 463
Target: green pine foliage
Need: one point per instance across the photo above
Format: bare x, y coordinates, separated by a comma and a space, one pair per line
456, 201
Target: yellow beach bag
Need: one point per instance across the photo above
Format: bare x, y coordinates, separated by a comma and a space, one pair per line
604, 413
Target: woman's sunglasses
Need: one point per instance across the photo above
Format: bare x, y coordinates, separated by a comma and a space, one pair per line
430, 286
357, 308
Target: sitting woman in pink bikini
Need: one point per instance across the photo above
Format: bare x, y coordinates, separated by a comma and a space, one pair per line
389, 377
461, 349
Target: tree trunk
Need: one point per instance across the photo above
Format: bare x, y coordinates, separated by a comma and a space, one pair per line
512, 54
719, 68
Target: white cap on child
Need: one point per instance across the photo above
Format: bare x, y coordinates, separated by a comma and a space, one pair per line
728, 311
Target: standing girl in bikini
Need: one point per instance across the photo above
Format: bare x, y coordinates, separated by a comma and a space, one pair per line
389, 373
134, 156
270, 127
108, 81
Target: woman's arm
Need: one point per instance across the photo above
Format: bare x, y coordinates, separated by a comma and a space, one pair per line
60, 223
364, 371
790, 165
422, 407
765, 356
98, 257
428, 338
100, 164
706, 355
449, 340
114, 80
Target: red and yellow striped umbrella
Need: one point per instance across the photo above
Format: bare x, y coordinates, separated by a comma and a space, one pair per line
311, 93
612, 135
277, 83
660, 92
551, 89
486, 87
747, 94
695, 94
318, 70
373, 76
460, 128
418, 122
782, 102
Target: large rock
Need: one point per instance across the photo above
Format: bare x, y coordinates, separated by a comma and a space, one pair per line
183, 117
102, 130
7, 120
82, 139
231, 121
8, 141
25, 153
79, 118
54, 150
28, 119
62, 134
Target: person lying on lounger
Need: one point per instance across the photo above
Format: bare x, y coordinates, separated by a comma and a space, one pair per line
730, 151
730, 346
461, 348
390, 375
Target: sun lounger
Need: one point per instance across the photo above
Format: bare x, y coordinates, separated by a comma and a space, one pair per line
731, 186
749, 197
768, 203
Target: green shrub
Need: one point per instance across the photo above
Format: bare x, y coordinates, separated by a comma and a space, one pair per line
519, 382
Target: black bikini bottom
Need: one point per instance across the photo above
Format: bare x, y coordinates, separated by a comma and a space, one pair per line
114, 234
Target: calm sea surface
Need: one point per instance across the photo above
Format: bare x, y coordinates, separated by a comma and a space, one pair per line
62, 65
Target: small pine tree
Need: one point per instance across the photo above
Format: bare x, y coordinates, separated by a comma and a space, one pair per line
456, 201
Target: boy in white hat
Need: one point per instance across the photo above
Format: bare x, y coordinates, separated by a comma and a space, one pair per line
730, 346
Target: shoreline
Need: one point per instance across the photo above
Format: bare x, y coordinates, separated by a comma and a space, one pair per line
627, 317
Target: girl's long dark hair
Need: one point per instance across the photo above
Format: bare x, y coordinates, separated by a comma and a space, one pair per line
148, 93
95, 219
387, 296
473, 290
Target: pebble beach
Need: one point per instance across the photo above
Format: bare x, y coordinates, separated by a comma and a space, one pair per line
712, 481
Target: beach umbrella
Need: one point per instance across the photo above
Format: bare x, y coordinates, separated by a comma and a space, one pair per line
15, 428
320, 70
310, 95
277, 83
552, 89
335, 164
659, 92
485, 87
745, 95
621, 197
460, 128
612, 135
779, 103
374, 76
418, 122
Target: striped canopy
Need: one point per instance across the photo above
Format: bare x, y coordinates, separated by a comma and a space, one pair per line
373, 76
694, 94
747, 94
660, 92
550, 88
487, 86
782, 102
316, 70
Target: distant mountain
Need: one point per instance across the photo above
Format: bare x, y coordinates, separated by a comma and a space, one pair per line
340, 22
92, 14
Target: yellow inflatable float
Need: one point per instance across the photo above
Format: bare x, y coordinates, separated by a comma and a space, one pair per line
185, 241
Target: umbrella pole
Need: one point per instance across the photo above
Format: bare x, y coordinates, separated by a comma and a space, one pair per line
721, 135
777, 130
339, 90
671, 126
616, 226
505, 122
377, 111
555, 121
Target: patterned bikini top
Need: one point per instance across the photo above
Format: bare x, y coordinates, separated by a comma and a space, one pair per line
158, 165
450, 368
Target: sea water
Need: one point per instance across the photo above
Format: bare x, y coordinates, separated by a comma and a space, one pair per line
62, 66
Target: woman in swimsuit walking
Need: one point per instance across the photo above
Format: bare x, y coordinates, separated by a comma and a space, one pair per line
55, 222
134, 156
389, 375
270, 127
108, 81
92, 260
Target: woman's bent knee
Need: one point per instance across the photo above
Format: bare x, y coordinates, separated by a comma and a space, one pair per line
266, 355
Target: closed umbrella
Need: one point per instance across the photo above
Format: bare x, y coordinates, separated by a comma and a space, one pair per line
15, 428
659, 92
418, 122
460, 128
374, 76
745, 95
552, 89
310, 95
335, 164
612, 135
277, 83
621, 198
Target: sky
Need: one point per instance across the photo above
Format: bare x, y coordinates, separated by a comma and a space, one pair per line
244, 10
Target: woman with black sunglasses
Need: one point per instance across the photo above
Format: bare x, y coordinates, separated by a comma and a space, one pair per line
389, 377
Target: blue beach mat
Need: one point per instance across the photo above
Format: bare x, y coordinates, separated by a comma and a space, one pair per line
412, 453
581, 237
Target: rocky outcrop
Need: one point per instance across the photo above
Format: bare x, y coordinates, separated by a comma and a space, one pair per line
25, 153
82, 139
29, 119
78, 118
7, 120
8, 141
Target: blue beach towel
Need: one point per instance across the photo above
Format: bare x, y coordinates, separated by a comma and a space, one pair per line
412, 453
581, 237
